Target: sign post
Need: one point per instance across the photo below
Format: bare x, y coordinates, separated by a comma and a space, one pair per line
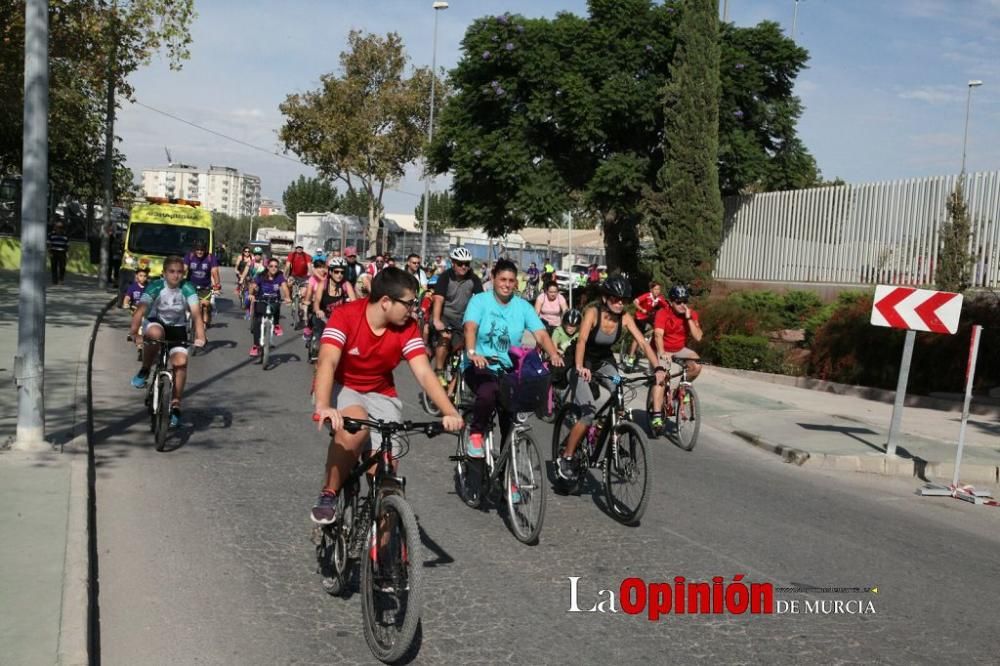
970, 374
912, 310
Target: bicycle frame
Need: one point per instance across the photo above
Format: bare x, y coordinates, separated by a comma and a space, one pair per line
611, 413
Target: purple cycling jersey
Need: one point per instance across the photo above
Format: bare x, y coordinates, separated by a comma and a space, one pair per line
200, 270
268, 287
134, 292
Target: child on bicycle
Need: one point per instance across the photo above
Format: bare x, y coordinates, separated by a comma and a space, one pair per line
568, 330
602, 327
495, 321
362, 344
134, 291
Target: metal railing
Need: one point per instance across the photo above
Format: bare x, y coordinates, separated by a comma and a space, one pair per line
885, 233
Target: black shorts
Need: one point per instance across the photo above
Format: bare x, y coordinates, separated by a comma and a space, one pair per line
176, 337
643, 324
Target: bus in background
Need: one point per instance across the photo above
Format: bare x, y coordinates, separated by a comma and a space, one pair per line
160, 228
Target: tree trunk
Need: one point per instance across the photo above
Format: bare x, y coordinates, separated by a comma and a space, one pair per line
372, 227
621, 242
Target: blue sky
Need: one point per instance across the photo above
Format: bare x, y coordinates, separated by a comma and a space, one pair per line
884, 94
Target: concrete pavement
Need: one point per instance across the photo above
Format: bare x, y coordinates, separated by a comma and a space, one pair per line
848, 432
43, 496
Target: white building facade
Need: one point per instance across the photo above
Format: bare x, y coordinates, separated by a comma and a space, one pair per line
220, 189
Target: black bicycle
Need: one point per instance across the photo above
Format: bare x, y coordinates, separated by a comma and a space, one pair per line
457, 392
160, 389
379, 531
516, 474
613, 443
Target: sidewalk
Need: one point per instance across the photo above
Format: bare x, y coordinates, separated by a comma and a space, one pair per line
43, 496
846, 432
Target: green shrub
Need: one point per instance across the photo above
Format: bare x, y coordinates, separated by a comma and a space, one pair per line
748, 352
798, 307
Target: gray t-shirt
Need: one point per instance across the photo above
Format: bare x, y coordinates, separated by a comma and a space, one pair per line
457, 294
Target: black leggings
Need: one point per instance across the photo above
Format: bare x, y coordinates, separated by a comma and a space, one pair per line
258, 316
57, 262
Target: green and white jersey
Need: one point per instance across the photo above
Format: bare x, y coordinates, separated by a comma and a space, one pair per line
169, 305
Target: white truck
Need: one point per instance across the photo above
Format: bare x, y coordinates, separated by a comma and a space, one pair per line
282, 242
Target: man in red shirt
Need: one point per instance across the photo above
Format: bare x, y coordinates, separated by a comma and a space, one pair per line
670, 331
297, 267
362, 344
646, 307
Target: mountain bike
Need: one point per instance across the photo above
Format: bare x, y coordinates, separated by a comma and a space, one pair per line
296, 285
615, 445
629, 362
516, 474
681, 406
456, 389
378, 531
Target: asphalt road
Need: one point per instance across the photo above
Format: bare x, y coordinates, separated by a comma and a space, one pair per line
205, 558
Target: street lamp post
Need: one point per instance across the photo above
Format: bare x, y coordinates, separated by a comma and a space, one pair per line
430, 130
795, 19
968, 106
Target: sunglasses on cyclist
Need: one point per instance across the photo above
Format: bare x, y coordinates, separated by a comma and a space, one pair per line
337, 271
462, 263
615, 299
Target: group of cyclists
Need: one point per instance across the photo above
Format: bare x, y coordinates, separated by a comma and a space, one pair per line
367, 320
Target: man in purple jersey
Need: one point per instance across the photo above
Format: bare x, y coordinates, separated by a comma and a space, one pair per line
203, 274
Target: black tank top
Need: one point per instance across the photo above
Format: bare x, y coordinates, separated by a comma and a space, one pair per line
327, 301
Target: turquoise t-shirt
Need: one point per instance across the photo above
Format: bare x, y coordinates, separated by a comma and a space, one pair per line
500, 326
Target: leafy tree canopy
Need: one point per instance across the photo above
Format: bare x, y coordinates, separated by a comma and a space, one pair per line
548, 112
438, 212
365, 124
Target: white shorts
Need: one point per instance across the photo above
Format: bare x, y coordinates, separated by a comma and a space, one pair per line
377, 406
675, 368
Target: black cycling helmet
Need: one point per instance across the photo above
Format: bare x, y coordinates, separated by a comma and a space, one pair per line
617, 286
572, 317
679, 293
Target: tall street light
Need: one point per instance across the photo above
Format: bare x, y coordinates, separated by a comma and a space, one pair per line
430, 131
795, 19
968, 105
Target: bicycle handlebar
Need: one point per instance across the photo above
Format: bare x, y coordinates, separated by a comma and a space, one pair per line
353, 425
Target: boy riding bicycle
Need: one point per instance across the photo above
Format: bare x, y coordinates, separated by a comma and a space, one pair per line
362, 344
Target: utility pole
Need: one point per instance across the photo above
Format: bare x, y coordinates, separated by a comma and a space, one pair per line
29, 365
109, 150
438, 6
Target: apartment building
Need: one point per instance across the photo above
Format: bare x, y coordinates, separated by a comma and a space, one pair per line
219, 189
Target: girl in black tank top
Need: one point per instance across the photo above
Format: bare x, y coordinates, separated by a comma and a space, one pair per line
334, 293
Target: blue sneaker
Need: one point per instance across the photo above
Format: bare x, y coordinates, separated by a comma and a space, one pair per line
139, 381
515, 495
175, 417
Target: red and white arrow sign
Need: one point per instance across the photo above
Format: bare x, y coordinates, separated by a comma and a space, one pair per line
916, 309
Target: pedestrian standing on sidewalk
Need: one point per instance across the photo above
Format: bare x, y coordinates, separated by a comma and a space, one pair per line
58, 252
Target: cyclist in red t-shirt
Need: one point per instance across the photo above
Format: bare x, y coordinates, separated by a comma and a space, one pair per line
670, 331
362, 344
646, 307
297, 266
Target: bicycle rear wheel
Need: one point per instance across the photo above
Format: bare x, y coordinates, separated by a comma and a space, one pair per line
565, 419
524, 478
266, 329
627, 475
165, 388
429, 405
391, 580
687, 417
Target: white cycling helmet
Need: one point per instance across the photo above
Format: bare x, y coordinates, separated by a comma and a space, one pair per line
460, 254
337, 262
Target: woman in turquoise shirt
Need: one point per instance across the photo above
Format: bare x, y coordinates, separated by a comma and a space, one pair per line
494, 322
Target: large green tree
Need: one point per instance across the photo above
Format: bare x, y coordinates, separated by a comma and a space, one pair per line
550, 115
365, 124
685, 209
85, 35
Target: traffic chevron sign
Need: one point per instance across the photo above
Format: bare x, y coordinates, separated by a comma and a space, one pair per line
916, 309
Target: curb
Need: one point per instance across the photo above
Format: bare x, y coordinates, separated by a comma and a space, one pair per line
78, 617
978, 408
916, 468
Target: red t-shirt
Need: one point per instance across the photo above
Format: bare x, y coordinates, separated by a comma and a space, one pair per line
299, 264
367, 360
647, 303
674, 328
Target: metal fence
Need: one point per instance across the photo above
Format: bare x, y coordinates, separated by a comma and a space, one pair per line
885, 233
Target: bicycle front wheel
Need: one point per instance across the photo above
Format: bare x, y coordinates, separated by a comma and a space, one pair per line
165, 388
627, 475
687, 417
391, 580
524, 478
266, 330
